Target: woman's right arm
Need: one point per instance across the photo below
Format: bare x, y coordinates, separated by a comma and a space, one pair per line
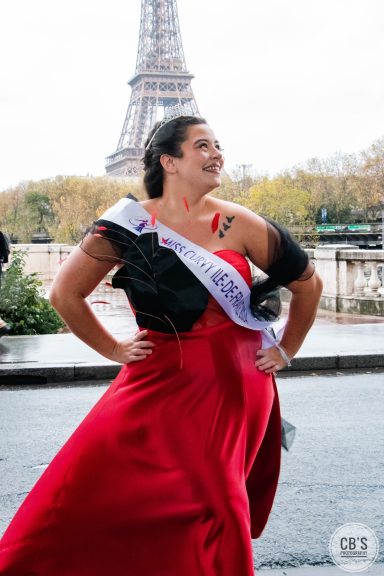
77, 278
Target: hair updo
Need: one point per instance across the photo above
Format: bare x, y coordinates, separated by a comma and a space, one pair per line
168, 140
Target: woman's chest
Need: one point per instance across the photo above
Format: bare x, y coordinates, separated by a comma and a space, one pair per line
204, 234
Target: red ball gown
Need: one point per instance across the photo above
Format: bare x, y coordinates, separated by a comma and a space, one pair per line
173, 470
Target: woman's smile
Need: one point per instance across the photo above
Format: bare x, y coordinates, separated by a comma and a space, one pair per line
215, 168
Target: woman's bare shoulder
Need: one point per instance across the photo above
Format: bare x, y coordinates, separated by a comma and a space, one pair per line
249, 230
241, 213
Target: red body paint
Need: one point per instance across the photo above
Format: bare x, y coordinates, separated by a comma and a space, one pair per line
186, 203
215, 222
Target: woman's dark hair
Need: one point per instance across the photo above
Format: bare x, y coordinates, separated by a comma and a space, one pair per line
164, 140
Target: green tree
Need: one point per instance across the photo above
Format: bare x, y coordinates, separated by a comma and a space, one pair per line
330, 185
64, 206
39, 208
372, 170
78, 201
228, 189
280, 200
23, 303
11, 208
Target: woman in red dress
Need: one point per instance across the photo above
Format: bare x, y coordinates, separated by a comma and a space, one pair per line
175, 468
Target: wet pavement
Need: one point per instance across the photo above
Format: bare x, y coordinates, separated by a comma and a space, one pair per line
335, 342
332, 475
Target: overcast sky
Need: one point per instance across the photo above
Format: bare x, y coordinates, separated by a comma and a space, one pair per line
279, 81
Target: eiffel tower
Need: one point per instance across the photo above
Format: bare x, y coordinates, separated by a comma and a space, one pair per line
161, 81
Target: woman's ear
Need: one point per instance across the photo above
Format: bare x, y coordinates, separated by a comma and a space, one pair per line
168, 163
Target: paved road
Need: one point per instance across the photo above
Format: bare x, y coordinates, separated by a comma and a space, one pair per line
351, 338
333, 474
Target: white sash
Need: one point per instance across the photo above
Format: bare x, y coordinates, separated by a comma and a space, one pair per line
219, 277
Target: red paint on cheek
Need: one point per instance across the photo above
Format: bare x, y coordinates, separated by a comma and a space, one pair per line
215, 222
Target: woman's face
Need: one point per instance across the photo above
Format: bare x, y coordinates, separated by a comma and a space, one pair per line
202, 159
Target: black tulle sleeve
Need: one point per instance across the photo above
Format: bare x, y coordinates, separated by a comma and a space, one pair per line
107, 242
287, 262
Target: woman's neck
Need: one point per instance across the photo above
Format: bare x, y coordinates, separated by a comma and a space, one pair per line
181, 205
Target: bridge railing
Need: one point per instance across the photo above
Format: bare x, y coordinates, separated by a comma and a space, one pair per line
349, 271
353, 278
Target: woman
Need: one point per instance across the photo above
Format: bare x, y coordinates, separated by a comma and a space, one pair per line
176, 466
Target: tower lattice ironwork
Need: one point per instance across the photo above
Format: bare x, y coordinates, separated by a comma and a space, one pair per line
161, 81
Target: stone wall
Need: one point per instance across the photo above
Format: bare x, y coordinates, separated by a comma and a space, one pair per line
44, 259
353, 278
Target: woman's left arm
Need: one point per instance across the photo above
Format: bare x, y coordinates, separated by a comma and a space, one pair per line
253, 235
302, 313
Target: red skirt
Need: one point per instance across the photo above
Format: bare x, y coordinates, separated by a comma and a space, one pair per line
170, 474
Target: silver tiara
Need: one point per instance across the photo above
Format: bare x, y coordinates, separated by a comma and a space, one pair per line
171, 113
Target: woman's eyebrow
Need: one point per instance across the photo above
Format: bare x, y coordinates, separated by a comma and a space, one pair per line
199, 140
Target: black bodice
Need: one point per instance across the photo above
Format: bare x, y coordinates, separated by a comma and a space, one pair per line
165, 295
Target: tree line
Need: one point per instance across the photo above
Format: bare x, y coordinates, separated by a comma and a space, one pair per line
62, 208
349, 186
